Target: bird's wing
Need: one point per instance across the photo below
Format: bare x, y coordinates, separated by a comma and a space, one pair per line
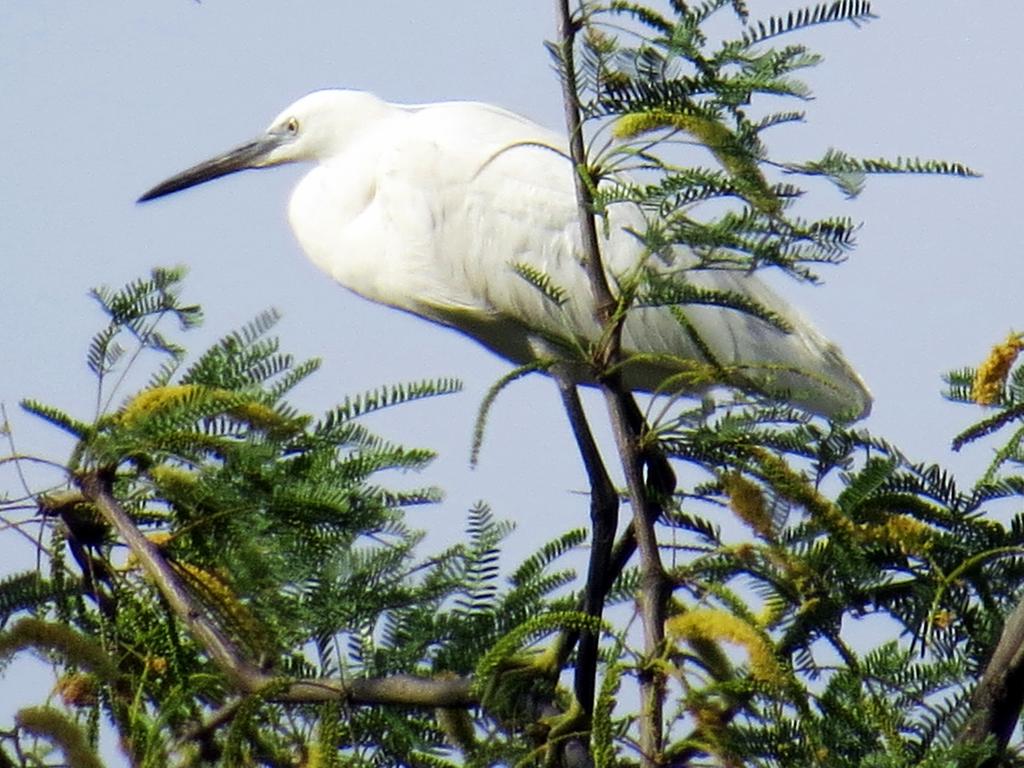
481, 199
483, 209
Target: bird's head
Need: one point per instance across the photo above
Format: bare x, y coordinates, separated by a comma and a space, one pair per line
315, 127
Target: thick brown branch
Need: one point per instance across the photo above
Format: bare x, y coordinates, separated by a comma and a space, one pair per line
998, 698
248, 678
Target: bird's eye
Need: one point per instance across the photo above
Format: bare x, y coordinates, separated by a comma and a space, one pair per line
292, 126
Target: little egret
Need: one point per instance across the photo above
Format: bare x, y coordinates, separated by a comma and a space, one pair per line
441, 209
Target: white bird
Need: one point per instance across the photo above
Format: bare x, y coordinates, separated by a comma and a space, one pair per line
435, 209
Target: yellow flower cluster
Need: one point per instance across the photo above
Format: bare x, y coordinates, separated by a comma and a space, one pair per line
722, 142
990, 377
722, 626
155, 399
747, 502
78, 689
911, 536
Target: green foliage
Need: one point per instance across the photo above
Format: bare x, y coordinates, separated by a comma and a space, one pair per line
891, 540
672, 96
542, 282
604, 731
23, 592
855, 11
848, 173
876, 712
136, 311
275, 523
484, 411
660, 290
77, 649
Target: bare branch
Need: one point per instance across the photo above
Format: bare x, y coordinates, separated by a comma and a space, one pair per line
654, 585
604, 518
997, 700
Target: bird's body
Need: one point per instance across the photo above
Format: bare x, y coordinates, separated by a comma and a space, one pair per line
438, 209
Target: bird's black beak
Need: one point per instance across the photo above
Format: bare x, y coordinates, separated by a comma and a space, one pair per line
253, 154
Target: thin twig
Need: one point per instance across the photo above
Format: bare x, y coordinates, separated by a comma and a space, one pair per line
17, 459
9, 434
142, 338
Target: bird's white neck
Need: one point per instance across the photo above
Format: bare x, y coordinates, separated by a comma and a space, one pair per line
336, 213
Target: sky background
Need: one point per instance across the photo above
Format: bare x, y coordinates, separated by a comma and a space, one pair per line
102, 100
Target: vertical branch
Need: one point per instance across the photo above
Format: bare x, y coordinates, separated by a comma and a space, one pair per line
604, 301
655, 585
604, 518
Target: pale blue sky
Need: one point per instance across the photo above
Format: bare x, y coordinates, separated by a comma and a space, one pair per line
103, 100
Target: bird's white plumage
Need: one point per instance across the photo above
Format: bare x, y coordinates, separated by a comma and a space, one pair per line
429, 209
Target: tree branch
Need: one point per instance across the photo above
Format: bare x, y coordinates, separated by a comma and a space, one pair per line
604, 518
999, 696
655, 586
621, 407
406, 690
604, 301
